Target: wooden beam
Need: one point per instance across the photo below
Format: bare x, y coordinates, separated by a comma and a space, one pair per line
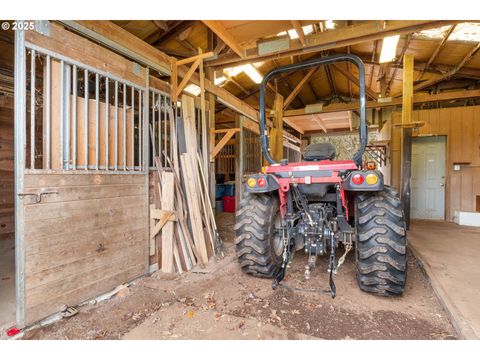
437, 50
407, 98
407, 115
341, 37
223, 141
298, 28
372, 94
320, 122
299, 87
417, 99
276, 132
173, 31
218, 28
114, 37
187, 76
399, 60
294, 126
196, 57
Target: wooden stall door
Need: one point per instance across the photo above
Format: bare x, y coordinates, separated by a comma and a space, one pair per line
88, 232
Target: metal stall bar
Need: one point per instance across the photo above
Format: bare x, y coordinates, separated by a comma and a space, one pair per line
146, 142
139, 131
116, 125
19, 144
154, 142
97, 118
47, 113
133, 129
32, 109
85, 118
66, 115
62, 91
107, 123
124, 126
74, 110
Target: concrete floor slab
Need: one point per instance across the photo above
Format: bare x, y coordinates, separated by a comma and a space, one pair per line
451, 257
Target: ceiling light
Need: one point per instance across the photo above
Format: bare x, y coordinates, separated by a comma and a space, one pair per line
193, 89
253, 73
329, 24
389, 48
247, 69
293, 34
220, 80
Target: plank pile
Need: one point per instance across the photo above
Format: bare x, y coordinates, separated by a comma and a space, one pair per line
183, 228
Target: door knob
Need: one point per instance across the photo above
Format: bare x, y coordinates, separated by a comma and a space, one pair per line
442, 184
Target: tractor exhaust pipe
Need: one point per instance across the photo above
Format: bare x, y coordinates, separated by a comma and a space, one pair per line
264, 138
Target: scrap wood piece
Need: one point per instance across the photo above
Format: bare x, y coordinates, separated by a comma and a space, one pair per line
165, 217
167, 232
194, 209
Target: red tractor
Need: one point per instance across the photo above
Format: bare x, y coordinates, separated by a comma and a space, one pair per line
320, 203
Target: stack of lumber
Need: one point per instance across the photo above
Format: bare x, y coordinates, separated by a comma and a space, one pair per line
182, 218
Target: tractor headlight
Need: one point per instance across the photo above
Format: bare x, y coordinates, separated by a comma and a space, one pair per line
371, 179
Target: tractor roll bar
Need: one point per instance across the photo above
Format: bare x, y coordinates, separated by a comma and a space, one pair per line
357, 157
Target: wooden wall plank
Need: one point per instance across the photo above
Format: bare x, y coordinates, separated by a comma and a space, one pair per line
83, 241
75, 47
461, 125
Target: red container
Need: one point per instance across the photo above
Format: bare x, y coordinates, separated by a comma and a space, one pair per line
229, 204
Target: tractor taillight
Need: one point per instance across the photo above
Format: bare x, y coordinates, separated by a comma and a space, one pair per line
252, 182
261, 182
357, 179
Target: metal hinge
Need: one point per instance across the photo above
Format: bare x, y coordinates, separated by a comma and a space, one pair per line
38, 196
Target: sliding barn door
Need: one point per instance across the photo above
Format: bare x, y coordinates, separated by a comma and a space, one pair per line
82, 186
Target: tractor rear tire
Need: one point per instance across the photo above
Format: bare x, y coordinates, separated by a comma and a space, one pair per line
256, 239
381, 243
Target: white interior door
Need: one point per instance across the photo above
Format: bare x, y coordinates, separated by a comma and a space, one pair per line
428, 178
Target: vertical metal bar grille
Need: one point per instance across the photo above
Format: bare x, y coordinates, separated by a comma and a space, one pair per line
74, 113
32, 109
68, 143
85, 118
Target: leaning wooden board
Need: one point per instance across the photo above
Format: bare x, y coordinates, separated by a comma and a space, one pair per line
83, 241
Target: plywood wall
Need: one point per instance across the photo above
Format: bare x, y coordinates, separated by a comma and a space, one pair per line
461, 126
83, 241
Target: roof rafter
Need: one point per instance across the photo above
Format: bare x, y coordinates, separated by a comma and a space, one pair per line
220, 30
299, 30
437, 50
299, 87
372, 94
341, 37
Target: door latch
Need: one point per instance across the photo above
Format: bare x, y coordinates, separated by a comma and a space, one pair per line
38, 196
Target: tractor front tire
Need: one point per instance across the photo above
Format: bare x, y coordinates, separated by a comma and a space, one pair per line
256, 238
381, 243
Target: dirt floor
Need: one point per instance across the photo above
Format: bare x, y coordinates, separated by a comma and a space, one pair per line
226, 304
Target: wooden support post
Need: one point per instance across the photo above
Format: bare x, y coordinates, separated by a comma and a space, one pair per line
276, 134
174, 80
238, 160
407, 113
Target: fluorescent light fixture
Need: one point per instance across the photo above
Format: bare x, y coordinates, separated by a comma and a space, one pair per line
193, 89
248, 69
220, 80
389, 48
329, 24
253, 73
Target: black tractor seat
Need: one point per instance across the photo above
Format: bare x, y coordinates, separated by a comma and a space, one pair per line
317, 152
